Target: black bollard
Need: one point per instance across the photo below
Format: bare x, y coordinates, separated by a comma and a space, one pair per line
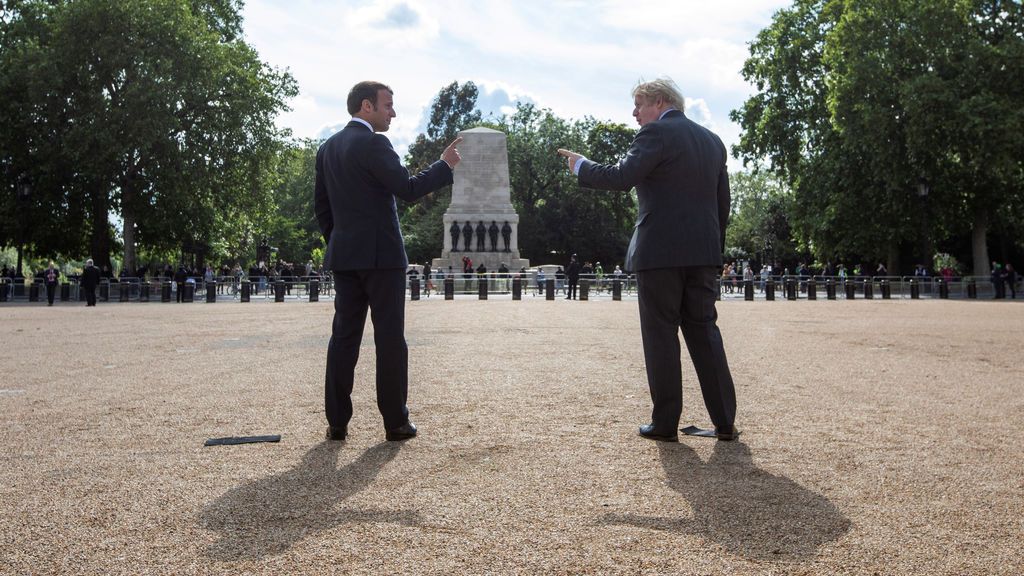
869, 289
972, 289
314, 290
549, 289
915, 290
886, 288
105, 292
278, 291
165, 292
790, 289
748, 290
943, 290
414, 289
211, 292
584, 289
65, 291
449, 289
33, 292
4, 287
851, 290
769, 290
812, 289
144, 292
482, 288
246, 291
830, 289
190, 292
617, 290
124, 291
517, 288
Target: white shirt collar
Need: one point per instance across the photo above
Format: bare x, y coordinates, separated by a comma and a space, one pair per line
666, 112
363, 122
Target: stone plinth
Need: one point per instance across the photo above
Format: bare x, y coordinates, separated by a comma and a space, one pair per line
481, 195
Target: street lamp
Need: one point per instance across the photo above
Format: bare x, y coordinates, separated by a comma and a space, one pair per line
23, 193
923, 189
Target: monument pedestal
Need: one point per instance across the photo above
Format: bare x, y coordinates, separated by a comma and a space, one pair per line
481, 207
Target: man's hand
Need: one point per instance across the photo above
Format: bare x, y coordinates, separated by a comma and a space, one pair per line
571, 157
451, 154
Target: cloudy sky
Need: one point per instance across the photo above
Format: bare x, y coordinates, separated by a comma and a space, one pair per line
577, 57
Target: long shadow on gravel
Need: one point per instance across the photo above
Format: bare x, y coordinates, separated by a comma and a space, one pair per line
267, 516
749, 512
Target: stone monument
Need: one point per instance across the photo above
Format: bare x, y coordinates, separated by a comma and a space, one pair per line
481, 202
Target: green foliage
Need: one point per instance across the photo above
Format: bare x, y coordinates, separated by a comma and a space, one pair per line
861, 102
293, 228
152, 110
942, 260
759, 226
557, 217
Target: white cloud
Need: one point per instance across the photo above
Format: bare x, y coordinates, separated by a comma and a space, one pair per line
576, 58
401, 23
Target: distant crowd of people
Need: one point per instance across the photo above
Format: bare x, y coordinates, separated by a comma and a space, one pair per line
1003, 276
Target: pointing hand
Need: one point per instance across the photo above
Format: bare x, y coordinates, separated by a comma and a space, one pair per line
451, 153
570, 157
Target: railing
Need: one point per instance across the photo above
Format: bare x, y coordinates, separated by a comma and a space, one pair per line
313, 288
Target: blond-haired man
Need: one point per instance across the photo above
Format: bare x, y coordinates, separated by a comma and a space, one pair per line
679, 171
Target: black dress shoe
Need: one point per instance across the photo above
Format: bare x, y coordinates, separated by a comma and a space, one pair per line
404, 432
727, 433
648, 431
334, 433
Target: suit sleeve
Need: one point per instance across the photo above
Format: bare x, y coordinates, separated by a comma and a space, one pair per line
321, 202
643, 155
724, 198
385, 166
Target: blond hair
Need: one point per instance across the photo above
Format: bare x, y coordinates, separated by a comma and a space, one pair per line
663, 88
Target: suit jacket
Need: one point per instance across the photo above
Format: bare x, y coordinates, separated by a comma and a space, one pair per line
90, 277
679, 171
358, 175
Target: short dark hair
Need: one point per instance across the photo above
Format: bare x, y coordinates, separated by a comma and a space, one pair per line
365, 90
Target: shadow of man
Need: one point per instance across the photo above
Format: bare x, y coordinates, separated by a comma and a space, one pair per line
267, 516
749, 512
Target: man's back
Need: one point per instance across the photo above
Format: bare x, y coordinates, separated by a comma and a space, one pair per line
358, 176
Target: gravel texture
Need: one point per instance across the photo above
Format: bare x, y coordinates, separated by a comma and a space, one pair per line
879, 437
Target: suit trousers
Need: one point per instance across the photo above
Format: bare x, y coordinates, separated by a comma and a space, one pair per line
383, 293
674, 298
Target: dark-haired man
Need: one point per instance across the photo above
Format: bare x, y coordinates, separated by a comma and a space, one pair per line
358, 176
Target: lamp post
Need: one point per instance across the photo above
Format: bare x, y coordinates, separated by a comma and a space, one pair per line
23, 194
923, 189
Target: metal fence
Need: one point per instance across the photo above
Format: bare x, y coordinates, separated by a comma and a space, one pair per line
519, 286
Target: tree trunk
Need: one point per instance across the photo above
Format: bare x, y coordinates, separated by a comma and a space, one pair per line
99, 236
128, 232
979, 246
892, 260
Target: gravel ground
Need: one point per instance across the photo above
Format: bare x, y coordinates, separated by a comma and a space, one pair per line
880, 437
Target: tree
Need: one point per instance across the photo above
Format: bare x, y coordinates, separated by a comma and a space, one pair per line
292, 226
152, 110
759, 223
896, 123
557, 217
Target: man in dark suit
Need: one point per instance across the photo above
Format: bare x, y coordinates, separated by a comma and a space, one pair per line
679, 170
51, 276
90, 280
358, 176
